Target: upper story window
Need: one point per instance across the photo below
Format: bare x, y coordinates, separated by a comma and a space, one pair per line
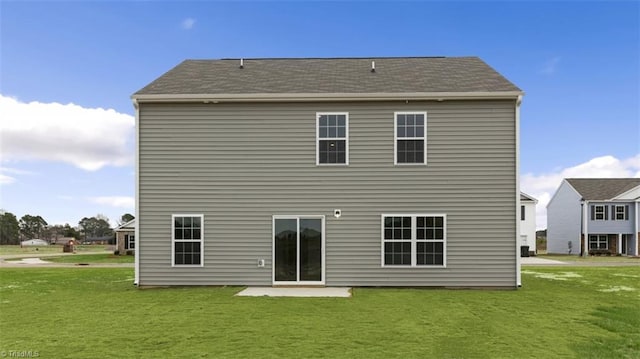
599, 213
187, 237
620, 213
522, 212
413, 240
332, 138
410, 138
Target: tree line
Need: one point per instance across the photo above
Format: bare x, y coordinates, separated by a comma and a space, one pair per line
12, 230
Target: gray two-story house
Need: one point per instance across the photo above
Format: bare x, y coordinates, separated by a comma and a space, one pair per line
600, 214
328, 171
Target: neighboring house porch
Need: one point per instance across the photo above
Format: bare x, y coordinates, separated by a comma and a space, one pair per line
610, 244
527, 225
125, 237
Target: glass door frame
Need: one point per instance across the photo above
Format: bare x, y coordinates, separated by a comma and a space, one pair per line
273, 250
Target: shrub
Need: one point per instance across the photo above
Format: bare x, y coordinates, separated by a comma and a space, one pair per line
599, 252
116, 252
129, 252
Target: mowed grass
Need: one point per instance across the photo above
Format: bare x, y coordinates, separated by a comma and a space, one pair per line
91, 258
567, 312
16, 249
591, 259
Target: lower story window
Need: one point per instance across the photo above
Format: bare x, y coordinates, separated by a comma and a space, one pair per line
187, 238
414, 240
600, 241
129, 241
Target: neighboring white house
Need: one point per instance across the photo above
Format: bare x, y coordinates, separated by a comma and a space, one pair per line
600, 214
528, 222
34, 242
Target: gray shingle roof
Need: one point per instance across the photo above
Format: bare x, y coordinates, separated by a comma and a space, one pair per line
602, 188
526, 198
330, 75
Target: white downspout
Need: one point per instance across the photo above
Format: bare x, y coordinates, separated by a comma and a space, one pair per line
137, 195
635, 235
517, 209
585, 228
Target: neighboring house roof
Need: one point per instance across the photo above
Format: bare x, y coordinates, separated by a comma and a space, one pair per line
527, 198
330, 76
62, 240
602, 188
129, 226
99, 239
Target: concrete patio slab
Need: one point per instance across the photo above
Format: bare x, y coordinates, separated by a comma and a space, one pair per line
343, 292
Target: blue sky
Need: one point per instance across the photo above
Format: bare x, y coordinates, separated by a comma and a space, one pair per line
578, 63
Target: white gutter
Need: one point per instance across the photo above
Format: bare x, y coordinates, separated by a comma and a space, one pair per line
517, 209
300, 97
137, 196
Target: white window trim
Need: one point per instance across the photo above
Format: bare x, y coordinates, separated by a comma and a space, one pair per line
615, 212
414, 240
597, 241
595, 212
395, 137
273, 250
345, 138
173, 240
127, 242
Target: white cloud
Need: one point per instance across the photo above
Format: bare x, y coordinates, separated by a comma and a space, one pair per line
5, 180
543, 186
88, 138
550, 66
188, 23
114, 201
16, 171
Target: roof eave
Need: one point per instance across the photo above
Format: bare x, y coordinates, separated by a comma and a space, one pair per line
126, 226
326, 97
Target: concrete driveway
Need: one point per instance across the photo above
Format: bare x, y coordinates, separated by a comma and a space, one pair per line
36, 260
539, 261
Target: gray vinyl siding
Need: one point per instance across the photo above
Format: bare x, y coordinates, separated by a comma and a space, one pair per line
609, 225
564, 221
240, 164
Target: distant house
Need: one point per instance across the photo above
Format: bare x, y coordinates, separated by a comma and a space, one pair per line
600, 214
109, 239
125, 237
62, 240
528, 224
34, 242
328, 171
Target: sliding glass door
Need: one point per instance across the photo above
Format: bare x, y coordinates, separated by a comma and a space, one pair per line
298, 249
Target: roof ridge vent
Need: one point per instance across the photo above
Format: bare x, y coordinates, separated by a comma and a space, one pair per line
373, 66
242, 63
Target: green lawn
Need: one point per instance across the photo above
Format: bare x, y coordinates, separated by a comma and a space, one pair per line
567, 312
579, 259
16, 249
91, 258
